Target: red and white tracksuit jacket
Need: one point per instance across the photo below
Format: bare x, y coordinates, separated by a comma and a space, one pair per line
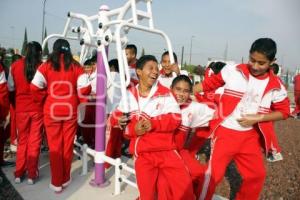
297, 93
244, 147
133, 76
4, 108
194, 115
211, 98
29, 121
274, 98
166, 80
155, 151
4, 102
61, 92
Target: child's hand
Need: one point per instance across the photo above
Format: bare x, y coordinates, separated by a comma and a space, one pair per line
147, 124
142, 127
123, 121
249, 120
92, 97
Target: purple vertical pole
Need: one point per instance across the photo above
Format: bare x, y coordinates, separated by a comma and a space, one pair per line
100, 127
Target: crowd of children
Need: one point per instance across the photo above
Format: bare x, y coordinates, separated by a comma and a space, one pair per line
234, 107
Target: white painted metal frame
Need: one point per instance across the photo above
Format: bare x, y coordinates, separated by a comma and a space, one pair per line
108, 31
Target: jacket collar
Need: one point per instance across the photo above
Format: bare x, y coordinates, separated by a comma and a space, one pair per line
186, 104
274, 82
157, 88
163, 74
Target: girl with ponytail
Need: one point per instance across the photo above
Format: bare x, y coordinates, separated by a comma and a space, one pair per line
62, 83
29, 115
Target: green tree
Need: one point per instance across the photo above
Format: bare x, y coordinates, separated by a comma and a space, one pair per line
25, 41
46, 49
189, 68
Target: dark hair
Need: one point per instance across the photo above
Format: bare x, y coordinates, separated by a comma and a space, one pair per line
184, 78
143, 60
2, 55
15, 57
216, 67
275, 68
89, 62
114, 64
132, 47
167, 53
33, 58
266, 46
61, 47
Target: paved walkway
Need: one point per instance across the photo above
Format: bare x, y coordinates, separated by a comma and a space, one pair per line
79, 188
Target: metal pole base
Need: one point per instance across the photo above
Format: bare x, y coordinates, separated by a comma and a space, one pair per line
102, 185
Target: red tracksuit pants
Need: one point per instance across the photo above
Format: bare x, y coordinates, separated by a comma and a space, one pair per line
114, 144
13, 126
151, 167
60, 135
88, 130
29, 125
196, 171
297, 101
242, 147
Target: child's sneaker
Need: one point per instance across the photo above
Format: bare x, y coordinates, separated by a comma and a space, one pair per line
64, 185
273, 157
18, 180
13, 148
30, 181
56, 189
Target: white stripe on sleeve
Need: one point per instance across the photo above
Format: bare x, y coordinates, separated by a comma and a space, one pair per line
279, 95
10, 82
83, 81
39, 80
2, 77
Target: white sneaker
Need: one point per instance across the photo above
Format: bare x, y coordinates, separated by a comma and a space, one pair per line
13, 148
64, 185
30, 181
273, 157
17, 180
55, 188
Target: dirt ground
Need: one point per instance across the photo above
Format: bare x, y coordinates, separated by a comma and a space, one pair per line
283, 177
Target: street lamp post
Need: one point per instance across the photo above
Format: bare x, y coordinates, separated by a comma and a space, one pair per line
191, 49
43, 25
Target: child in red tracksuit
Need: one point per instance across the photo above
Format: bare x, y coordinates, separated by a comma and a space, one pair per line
244, 118
194, 115
29, 114
154, 117
4, 108
131, 52
296, 112
169, 71
61, 83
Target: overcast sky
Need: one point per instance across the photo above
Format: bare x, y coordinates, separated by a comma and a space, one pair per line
214, 24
